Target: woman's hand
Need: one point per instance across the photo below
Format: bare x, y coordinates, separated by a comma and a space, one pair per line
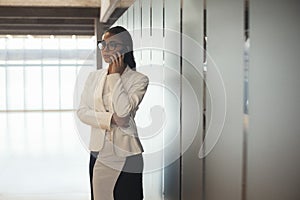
117, 65
120, 121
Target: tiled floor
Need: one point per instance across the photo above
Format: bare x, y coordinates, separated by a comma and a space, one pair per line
42, 157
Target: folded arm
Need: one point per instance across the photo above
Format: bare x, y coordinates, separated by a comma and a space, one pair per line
87, 114
125, 101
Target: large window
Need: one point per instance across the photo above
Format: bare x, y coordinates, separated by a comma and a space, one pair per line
39, 72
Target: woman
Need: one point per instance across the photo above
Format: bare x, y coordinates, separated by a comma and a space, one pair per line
108, 104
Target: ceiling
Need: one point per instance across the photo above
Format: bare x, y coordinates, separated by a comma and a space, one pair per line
68, 17
60, 3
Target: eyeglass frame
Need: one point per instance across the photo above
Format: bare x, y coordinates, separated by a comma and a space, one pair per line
108, 45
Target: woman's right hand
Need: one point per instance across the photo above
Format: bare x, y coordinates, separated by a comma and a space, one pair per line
120, 121
117, 64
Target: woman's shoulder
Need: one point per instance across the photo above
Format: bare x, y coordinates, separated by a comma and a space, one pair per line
96, 73
137, 75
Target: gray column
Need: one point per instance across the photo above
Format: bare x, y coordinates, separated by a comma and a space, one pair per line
98, 34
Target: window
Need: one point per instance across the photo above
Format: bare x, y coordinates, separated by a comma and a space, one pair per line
39, 72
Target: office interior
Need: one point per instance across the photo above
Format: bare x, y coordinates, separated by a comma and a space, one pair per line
219, 121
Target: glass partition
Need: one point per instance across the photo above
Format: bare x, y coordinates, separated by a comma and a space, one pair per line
225, 83
274, 112
192, 98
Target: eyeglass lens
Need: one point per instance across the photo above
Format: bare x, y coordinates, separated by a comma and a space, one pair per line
110, 45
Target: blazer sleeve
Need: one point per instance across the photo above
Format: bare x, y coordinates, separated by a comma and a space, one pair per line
87, 114
125, 101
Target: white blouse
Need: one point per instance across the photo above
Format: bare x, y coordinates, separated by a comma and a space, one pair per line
106, 154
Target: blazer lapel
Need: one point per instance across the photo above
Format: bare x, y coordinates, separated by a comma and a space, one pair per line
98, 101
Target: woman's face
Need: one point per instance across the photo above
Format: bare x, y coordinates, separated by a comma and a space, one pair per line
111, 45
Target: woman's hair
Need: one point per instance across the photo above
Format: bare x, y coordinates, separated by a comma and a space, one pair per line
127, 39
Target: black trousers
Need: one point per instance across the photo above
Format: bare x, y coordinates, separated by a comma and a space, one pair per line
129, 185
93, 158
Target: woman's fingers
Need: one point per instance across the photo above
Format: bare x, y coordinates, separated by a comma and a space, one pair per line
121, 121
114, 58
117, 59
117, 63
120, 59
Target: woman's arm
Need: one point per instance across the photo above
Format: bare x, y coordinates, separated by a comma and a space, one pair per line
94, 118
87, 114
124, 102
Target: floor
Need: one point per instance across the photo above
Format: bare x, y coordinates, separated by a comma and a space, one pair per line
42, 157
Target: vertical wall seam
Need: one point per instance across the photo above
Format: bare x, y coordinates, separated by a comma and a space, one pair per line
151, 10
245, 102
164, 14
204, 95
181, 63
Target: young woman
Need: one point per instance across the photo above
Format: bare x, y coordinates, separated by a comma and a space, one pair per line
108, 104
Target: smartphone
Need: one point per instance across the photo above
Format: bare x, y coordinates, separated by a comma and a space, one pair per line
123, 51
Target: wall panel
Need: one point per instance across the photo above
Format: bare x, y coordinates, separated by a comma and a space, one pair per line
192, 94
145, 42
172, 70
136, 34
274, 139
157, 32
223, 165
130, 19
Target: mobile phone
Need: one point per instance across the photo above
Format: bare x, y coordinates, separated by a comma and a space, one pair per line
123, 51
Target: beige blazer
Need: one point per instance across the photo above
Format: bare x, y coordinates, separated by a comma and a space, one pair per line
127, 92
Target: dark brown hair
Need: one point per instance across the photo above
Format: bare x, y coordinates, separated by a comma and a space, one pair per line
127, 39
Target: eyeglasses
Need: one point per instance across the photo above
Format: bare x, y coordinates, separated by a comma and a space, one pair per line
112, 45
